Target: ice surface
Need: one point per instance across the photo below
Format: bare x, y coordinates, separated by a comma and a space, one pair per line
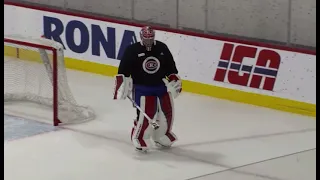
16, 128
214, 136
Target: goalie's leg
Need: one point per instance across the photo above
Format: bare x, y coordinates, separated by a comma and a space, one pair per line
164, 135
141, 131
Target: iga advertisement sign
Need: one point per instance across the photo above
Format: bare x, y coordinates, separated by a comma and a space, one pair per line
249, 68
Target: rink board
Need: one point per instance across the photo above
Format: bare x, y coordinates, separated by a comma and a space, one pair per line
192, 82
23, 54
188, 86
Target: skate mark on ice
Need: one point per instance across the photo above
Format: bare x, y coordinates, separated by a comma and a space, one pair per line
178, 151
234, 169
194, 156
248, 137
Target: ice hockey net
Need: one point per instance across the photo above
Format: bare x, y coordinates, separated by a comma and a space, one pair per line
34, 71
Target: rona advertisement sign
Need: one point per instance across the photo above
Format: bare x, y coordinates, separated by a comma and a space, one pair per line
79, 37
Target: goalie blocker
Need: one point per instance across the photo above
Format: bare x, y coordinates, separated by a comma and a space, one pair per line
147, 71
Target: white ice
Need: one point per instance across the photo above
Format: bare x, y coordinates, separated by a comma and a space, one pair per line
215, 137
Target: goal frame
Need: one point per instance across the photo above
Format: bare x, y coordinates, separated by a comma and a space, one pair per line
54, 50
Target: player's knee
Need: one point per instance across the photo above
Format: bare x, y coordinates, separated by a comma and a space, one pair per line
167, 105
149, 105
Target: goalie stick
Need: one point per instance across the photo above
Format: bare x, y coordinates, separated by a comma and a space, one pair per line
154, 124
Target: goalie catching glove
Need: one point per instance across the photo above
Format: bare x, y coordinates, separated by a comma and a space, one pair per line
123, 87
174, 84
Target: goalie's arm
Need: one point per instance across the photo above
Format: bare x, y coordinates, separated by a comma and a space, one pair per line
173, 80
125, 66
171, 67
123, 81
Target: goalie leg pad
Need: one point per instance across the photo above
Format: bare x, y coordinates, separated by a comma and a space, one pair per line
134, 127
141, 132
164, 134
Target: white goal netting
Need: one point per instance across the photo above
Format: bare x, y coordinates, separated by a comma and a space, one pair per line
34, 71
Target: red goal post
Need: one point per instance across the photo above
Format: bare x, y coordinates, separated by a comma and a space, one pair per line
34, 71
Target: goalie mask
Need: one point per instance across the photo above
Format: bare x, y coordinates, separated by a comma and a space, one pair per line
147, 35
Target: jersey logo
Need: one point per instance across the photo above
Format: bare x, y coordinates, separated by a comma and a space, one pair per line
151, 65
141, 54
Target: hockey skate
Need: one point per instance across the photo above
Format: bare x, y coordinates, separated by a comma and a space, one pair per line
162, 146
141, 150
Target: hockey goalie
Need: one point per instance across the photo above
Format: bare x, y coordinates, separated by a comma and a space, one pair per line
148, 73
